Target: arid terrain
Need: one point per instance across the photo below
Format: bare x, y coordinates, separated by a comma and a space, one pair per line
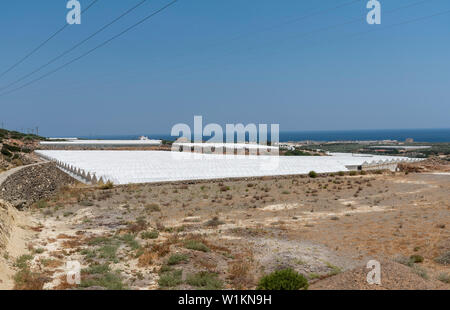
16, 149
227, 234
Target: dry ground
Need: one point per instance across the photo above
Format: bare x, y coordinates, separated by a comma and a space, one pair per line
228, 234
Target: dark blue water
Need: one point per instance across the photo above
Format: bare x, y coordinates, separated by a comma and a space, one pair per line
419, 135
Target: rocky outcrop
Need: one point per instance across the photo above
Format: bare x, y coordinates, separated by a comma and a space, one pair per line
33, 183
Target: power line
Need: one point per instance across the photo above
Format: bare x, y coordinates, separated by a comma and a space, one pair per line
322, 29
43, 43
352, 21
75, 46
93, 49
298, 19
291, 21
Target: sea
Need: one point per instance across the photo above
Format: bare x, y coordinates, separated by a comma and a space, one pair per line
418, 135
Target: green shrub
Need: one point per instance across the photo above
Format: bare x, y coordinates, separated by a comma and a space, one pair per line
97, 269
443, 277
150, 234
101, 275
334, 269
21, 262
170, 278
108, 252
6, 152
130, 240
177, 258
416, 258
285, 279
205, 280
196, 245
11, 148
110, 281
296, 152
312, 174
88, 253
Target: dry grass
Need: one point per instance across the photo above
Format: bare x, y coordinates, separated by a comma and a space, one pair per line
63, 285
242, 271
27, 280
107, 185
51, 263
147, 259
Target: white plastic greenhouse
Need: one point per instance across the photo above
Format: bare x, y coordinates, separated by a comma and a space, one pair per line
123, 167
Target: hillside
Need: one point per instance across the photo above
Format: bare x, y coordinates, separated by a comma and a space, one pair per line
16, 149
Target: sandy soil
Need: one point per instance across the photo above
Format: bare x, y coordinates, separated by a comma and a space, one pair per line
15, 233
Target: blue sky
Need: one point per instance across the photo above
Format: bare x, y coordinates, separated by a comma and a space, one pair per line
230, 61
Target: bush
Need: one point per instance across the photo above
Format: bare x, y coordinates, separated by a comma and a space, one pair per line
177, 258
97, 269
150, 234
205, 280
5, 152
443, 277
196, 245
214, 222
110, 281
107, 185
11, 148
285, 279
296, 153
312, 174
22, 261
170, 278
416, 258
